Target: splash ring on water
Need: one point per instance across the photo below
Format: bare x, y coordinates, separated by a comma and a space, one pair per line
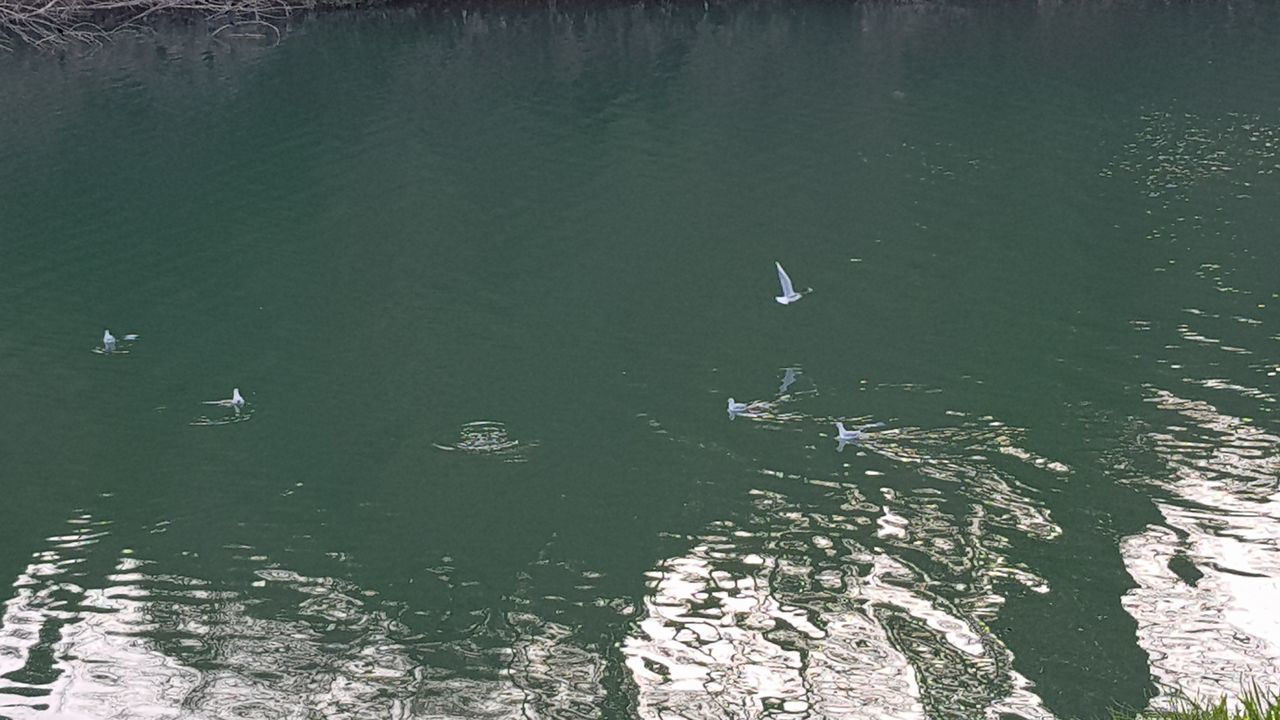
484, 437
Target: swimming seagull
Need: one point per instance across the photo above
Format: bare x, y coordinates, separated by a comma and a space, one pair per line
845, 435
789, 294
236, 401
109, 340
735, 408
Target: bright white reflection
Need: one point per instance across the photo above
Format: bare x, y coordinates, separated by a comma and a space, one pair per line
796, 619
715, 642
1208, 580
92, 632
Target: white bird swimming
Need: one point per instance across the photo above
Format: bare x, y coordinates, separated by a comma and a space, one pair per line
236, 401
109, 340
735, 408
789, 294
845, 436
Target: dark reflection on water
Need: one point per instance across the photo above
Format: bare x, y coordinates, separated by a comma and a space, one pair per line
1040, 242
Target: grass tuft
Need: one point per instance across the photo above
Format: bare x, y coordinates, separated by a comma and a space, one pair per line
1253, 704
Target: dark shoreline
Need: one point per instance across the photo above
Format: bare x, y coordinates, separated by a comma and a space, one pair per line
65, 23
61, 23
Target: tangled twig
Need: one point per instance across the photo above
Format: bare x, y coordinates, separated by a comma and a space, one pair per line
45, 23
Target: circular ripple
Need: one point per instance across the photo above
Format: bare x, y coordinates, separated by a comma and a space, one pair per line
485, 437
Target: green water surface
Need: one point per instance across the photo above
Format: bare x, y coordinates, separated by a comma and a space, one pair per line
487, 281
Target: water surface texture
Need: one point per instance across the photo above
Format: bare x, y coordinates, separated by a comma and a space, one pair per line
487, 281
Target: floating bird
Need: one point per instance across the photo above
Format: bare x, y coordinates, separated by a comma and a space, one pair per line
736, 408
789, 294
845, 435
109, 340
236, 401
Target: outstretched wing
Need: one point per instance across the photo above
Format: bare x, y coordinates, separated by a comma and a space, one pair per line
787, 289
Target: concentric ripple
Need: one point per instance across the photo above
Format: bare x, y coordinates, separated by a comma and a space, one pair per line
487, 438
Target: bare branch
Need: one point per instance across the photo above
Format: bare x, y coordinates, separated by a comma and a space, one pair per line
44, 23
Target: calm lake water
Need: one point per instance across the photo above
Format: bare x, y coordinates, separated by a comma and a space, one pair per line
487, 283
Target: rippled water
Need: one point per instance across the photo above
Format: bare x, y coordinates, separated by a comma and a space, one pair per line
487, 280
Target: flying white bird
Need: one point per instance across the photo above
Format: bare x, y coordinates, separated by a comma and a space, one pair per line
845, 435
236, 401
789, 294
